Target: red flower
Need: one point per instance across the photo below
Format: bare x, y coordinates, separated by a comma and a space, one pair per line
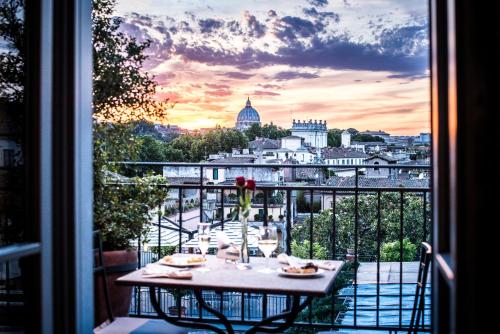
240, 181
251, 184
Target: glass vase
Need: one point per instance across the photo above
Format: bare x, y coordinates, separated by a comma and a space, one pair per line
244, 254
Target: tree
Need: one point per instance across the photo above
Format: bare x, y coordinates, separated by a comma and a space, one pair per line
254, 131
196, 147
413, 224
122, 92
390, 251
334, 137
367, 138
12, 54
270, 131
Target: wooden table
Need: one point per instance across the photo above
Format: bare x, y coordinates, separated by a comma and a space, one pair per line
224, 277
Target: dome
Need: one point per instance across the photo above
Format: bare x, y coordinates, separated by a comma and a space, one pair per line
247, 117
248, 114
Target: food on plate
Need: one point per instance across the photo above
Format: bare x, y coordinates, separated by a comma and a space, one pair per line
168, 259
195, 259
183, 260
308, 268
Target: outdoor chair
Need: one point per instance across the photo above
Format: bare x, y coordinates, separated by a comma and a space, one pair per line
124, 325
419, 302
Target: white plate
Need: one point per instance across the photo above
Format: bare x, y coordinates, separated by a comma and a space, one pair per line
181, 263
297, 275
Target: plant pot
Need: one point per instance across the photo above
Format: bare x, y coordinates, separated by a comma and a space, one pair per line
174, 310
117, 263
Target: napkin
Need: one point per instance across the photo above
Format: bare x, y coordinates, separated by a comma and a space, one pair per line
153, 271
298, 262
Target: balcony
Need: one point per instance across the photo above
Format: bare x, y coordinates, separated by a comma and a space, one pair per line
374, 225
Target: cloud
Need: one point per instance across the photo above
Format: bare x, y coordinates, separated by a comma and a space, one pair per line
219, 92
401, 50
290, 75
237, 75
321, 15
318, 3
216, 86
288, 28
264, 93
270, 86
209, 25
255, 28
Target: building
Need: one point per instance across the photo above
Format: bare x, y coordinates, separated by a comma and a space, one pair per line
343, 156
345, 139
315, 133
247, 117
381, 159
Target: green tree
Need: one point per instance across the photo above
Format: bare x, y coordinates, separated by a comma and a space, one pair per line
196, 147
122, 92
270, 131
254, 131
413, 223
367, 138
390, 251
334, 137
12, 54
274, 132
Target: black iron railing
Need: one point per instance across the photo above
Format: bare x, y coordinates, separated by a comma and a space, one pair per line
382, 302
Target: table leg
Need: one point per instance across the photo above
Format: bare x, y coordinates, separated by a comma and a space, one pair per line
222, 317
267, 325
178, 322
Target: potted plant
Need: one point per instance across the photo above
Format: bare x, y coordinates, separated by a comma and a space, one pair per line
123, 210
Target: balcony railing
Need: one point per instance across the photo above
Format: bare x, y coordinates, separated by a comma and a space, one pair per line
373, 293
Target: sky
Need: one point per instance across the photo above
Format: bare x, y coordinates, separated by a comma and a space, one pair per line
361, 64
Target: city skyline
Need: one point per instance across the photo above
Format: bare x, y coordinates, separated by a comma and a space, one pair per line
354, 64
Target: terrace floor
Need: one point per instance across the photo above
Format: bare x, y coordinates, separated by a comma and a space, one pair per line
389, 272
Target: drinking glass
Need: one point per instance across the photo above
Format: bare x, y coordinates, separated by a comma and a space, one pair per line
268, 242
203, 241
203, 237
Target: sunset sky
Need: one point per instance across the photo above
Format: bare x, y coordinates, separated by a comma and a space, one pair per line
361, 64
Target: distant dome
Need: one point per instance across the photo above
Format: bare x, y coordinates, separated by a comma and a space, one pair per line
247, 117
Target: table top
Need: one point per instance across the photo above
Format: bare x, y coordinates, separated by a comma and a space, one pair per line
226, 277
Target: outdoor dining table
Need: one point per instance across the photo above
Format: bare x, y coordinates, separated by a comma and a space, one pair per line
225, 277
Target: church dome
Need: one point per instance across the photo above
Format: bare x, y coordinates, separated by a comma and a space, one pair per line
247, 117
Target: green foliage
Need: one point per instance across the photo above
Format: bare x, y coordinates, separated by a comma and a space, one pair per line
122, 91
334, 137
267, 131
367, 138
303, 204
196, 147
164, 251
367, 223
12, 74
124, 212
302, 250
390, 251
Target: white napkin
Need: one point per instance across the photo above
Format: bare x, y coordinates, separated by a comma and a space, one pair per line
153, 271
294, 261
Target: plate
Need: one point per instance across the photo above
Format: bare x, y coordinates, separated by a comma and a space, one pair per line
181, 263
297, 275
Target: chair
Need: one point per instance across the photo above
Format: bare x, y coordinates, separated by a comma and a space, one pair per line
124, 325
419, 302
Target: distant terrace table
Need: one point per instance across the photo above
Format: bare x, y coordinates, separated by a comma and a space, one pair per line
224, 277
